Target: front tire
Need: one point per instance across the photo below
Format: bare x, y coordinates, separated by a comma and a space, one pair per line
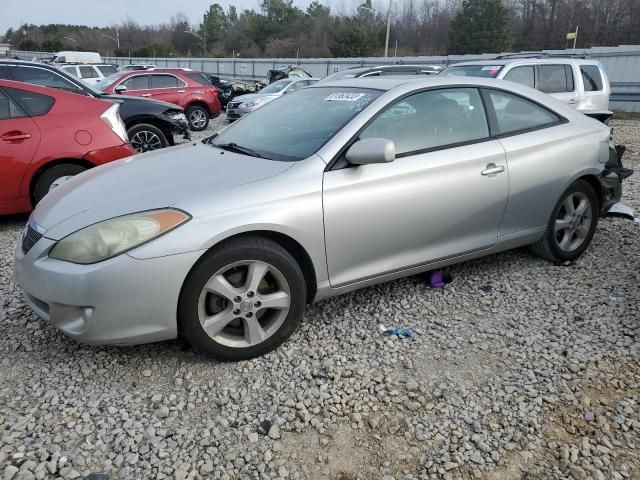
242, 299
571, 226
146, 138
53, 177
198, 118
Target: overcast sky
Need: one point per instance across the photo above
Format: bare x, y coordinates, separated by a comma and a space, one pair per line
13, 13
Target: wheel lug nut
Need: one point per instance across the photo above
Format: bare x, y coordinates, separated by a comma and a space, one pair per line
249, 315
250, 294
236, 312
257, 304
237, 299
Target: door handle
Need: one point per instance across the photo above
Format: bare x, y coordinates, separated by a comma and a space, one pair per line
572, 101
147, 94
181, 91
492, 169
15, 137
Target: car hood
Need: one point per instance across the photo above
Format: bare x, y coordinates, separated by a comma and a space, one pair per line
142, 182
137, 102
253, 96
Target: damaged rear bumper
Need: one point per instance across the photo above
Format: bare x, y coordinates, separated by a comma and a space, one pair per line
611, 181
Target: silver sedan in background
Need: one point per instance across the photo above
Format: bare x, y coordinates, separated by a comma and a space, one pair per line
326, 190
243, 104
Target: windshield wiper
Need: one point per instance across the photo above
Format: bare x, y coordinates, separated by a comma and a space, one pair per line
234, 147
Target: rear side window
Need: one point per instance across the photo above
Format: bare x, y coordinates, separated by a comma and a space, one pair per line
88, 72
523, 75
592, 78
164, 81
199, 77
515, 114
555, 78
43, 77
8, 108
139, 82
107, 70
34, 104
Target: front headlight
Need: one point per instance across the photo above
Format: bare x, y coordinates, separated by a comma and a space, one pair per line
178, 116
255, 103
115, 236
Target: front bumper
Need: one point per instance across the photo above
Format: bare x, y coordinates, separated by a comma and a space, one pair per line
121, 301
233, 113
177, 126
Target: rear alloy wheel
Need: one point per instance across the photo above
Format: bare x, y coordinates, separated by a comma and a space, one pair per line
242, 300
53, 177
572, 224
198, 118
146, 138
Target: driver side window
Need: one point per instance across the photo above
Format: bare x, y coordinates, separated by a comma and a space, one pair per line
431, 120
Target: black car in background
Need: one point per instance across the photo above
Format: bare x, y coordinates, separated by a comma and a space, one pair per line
151, 124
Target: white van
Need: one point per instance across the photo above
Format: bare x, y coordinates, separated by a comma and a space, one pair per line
77, 57
90, 74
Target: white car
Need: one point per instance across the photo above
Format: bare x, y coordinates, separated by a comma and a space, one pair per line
90, 74
244, 104
578, 82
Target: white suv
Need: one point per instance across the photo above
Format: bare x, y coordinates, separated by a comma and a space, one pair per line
579, 82
89, 73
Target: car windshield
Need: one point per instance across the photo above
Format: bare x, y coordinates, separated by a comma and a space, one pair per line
296, 125
108, 81
276, 87
489, 71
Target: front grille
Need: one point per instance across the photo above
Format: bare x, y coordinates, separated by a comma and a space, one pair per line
30, 238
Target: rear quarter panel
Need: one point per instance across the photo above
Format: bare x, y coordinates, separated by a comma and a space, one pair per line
542, 164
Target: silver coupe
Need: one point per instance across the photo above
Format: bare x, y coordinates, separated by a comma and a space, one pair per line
326, 190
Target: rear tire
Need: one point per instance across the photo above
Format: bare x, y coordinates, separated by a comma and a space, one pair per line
146, 138
571, 226
198, 118
242, 299
52, 177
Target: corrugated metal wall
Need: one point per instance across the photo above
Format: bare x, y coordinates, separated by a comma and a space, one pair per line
621, 63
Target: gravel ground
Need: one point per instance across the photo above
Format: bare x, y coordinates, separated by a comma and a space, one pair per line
519, 369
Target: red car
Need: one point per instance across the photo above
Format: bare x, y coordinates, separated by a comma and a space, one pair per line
189, 89
47, 136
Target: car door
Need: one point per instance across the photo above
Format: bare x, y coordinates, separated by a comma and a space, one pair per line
558, 81
89, 74
167, 88
137, 85
595, 91
19, 140
443, 196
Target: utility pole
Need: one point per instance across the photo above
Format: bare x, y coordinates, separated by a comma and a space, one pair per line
386, 43
202, 38
115, 39
575, 39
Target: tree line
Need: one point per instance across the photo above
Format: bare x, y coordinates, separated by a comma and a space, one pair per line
418, 27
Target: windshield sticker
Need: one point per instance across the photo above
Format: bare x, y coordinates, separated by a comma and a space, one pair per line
491, 67
344, 97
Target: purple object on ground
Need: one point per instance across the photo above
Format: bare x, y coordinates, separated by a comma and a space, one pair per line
437, 279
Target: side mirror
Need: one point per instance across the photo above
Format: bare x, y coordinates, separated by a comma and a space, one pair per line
371, 150
120, 89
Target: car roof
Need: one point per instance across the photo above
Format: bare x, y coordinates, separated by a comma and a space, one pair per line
387, 84
528, 60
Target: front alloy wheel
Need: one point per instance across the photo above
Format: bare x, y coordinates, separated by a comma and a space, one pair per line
244, 303
242, 299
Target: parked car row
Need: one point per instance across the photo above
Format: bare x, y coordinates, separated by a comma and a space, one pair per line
319, 191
